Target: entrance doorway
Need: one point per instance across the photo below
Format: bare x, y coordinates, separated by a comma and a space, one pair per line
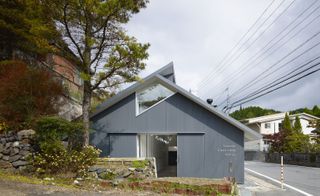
164, 148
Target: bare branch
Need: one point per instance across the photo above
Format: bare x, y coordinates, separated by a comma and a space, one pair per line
68, 31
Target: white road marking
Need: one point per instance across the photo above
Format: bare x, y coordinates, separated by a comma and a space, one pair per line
277, 181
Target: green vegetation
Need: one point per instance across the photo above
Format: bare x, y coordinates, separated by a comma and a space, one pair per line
108, 176
140, 163
286, 125
251, 112
24, 27
290, 138
27, 94
53, 157
314, 111
297, 125
107, 56
167, 187
256, 111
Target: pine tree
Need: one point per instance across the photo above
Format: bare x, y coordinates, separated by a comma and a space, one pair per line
94, 31
316, 111
297, 125
286, 124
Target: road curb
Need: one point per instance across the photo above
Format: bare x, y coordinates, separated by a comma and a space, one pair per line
264, 178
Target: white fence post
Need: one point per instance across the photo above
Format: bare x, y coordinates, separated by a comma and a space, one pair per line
281, 177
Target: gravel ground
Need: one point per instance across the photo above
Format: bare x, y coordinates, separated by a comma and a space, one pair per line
10, 188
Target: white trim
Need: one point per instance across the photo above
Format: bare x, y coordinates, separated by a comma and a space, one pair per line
155, 104
277, 181
136, 98
138, 145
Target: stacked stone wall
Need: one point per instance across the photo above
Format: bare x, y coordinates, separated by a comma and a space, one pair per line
15, 148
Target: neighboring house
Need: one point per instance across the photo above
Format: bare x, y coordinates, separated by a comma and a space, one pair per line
156, 118
271, 124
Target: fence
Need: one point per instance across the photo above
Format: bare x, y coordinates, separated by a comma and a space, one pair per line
303, 159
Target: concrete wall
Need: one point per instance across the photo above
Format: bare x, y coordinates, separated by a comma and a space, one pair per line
223, 143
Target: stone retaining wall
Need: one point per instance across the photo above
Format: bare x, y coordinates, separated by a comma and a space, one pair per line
122, 168
14, 149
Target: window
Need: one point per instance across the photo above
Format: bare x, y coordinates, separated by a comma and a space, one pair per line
151, 96
267, 125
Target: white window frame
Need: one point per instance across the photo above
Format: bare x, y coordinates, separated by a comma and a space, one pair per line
137, 103
267, 127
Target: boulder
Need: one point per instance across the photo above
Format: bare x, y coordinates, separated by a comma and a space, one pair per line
24, 152
5, 158
126, 174
20, 163
93, 169
131, 169
14, 151
101, 170
25, 141
15, 158
15, 144
26, 134
8, 145
1, 147
5, 164
117, 181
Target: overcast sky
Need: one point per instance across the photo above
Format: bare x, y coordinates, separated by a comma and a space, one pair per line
197, 35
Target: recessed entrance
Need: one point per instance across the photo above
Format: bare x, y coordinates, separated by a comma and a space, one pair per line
163, 148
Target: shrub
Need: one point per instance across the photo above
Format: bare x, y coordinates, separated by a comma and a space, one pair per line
53, 157
27, 93
3, 127
52, 128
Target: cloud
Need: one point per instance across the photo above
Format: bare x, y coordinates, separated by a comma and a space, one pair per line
196, 35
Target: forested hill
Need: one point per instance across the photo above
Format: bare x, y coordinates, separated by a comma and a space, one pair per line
314, 111
251, 112
256, 111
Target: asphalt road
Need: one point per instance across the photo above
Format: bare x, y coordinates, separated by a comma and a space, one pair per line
306, 179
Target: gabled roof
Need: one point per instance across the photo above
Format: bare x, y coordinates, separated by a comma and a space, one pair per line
278, 116
165, 76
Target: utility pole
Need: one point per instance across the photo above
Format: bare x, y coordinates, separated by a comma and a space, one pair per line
228, 100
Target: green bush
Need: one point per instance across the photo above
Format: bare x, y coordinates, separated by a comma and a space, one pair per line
53, 157
52, 128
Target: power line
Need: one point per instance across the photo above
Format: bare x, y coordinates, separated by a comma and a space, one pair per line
312, 72
236, 45
278, 46
279, 81
273, 65
269, 68
257, 57
261, 34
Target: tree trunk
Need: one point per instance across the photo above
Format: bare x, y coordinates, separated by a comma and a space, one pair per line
86, 105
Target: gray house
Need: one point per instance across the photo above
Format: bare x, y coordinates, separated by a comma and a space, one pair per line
156, 118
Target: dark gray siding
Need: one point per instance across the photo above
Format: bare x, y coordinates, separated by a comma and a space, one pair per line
123, 145
223, 143
191, 147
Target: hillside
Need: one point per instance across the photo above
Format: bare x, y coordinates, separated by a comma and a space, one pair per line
251, 112
256, 111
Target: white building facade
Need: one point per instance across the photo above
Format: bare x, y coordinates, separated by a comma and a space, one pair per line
271, 124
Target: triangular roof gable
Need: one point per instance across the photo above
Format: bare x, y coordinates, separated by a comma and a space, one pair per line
160, 76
